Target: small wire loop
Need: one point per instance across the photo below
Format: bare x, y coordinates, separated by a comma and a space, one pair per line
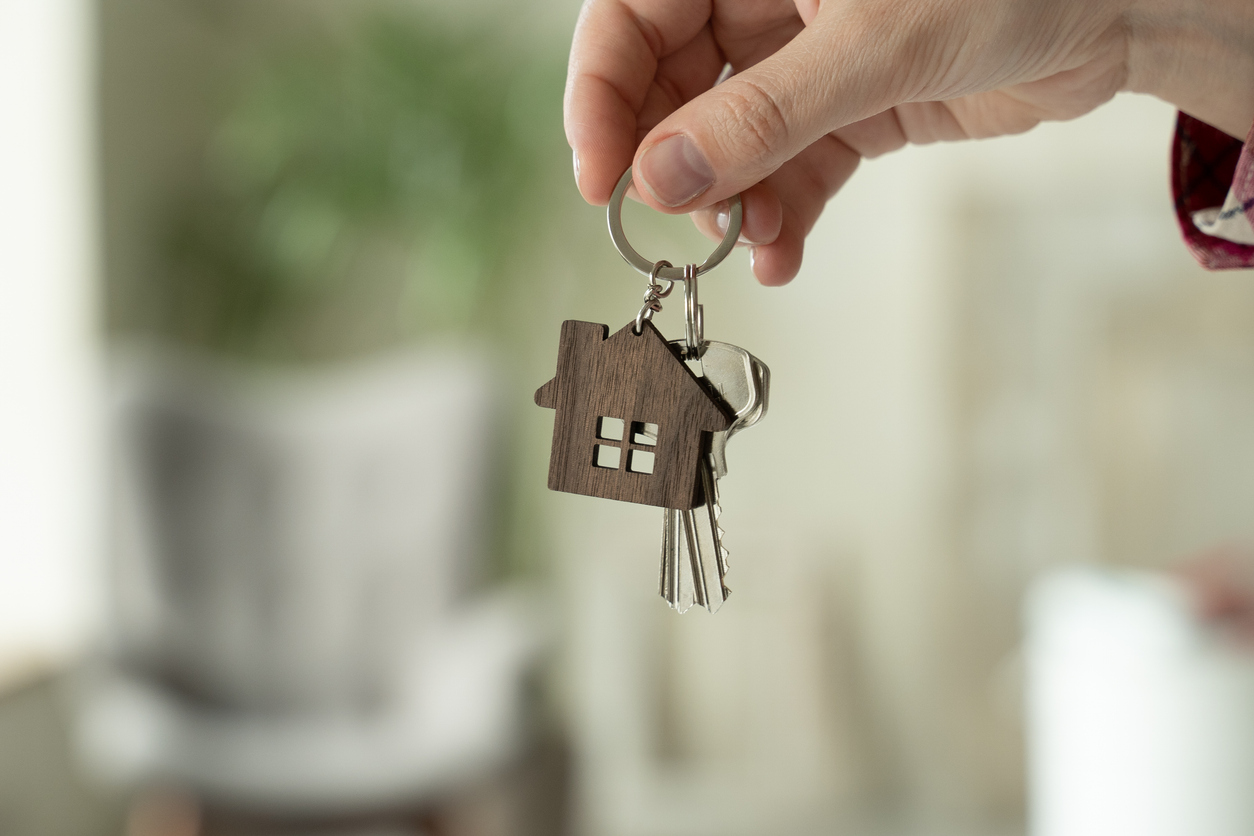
654, 293
655, 286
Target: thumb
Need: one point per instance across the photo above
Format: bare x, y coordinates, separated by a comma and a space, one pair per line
734, 135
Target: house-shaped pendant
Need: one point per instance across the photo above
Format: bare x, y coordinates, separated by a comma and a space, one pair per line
632, 420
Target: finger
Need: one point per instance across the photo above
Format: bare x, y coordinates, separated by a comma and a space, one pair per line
613, 59
803, 186
761, 217
743, 130
680, 78
781, 211
914, 123
876, 135
752, 32
806, 196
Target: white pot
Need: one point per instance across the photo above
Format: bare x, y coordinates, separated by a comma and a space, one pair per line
284, 539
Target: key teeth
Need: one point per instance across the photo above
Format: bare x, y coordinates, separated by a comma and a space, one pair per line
724, 565
722, 550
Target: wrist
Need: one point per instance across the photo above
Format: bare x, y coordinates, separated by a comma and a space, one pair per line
1198, 55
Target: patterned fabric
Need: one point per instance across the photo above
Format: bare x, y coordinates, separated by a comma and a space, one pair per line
1227, 221
1206, 166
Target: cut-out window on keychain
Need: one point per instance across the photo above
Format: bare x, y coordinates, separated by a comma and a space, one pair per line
640, 461
611, 429
643, 433
607, 456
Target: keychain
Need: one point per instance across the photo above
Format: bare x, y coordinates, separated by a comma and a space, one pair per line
641, 419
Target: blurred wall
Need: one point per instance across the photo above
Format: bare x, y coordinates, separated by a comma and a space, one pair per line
999, 357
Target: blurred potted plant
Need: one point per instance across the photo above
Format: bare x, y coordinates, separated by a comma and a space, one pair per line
365, 190
293, 545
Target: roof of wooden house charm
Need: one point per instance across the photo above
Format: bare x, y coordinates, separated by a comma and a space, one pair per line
632, 420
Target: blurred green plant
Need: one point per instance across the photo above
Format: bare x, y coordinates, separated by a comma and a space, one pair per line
365, 188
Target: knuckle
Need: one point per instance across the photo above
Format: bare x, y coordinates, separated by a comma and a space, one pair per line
755, 119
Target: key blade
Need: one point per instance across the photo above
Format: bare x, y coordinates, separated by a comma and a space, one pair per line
666, 575
675, 580
696, 569
714, 512
686, 556
709, 558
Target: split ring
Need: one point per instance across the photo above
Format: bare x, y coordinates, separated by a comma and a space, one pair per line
614, 215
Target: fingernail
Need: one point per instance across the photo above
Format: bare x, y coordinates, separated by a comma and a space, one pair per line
576, 156
753, 257
722, 217
675, 172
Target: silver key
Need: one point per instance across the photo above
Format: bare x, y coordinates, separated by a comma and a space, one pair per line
744, 383
709, 558
692, 541
694, 561
676, 575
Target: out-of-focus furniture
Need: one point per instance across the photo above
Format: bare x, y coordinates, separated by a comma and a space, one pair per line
296, 624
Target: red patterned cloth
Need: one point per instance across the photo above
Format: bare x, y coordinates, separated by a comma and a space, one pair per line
1206, 165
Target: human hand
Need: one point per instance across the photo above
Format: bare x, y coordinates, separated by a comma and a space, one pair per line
820, 84
1221, 582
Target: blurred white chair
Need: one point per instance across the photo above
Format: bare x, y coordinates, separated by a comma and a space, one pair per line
293, 618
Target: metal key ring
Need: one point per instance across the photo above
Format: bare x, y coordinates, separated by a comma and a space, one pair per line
614, 215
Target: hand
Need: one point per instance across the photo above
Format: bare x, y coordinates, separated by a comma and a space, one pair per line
1221, 581
819, 84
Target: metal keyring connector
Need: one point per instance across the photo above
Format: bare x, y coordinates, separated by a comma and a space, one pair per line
694, 316
614, 215
653, 296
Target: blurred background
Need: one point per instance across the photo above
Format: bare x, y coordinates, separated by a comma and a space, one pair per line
276, 555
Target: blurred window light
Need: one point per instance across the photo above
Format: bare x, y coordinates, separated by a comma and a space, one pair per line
47, 341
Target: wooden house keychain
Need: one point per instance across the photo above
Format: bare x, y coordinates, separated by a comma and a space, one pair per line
641, 419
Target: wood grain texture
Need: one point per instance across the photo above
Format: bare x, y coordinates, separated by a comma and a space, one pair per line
635, 378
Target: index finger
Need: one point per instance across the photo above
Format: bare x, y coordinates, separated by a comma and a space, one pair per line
613, 61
